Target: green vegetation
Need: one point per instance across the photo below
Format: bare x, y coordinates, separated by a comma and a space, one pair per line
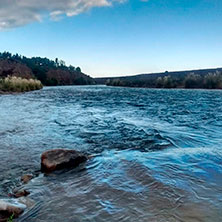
18, 84
49, 72
188, 81
10, 219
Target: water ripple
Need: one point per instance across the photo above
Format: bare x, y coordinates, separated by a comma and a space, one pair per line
157, 153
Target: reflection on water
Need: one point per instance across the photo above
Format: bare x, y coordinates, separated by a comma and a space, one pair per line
158, 153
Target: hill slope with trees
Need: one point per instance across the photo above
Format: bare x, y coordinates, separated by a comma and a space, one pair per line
49, 72
205, 78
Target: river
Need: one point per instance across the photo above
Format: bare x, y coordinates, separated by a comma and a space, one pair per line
157, 153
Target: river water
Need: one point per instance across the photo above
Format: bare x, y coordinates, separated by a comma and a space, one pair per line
157, 153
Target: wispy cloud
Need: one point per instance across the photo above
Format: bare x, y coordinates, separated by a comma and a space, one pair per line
14, 13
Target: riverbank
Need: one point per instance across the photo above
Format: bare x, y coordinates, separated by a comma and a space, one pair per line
194, 79
189, 81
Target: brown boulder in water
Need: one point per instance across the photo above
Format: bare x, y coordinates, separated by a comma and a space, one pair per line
58, 159
26, 178
21, 193
7, 209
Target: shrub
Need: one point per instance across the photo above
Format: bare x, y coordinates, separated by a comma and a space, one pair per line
213, 81
18, 84
193, 81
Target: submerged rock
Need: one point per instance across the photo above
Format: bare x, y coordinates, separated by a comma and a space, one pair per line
26, 178
58, 159
21, 193
26, 201
7, 209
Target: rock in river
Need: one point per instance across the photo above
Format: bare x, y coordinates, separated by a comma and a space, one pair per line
8, 208
26, 178
21, 193
58, 159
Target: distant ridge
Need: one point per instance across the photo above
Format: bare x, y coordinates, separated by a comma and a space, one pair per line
151, 76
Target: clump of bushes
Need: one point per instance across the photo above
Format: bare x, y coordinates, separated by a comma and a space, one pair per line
191, 81
167, 82
18, 84
213, 81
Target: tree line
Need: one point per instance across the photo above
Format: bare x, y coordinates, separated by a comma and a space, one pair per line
49, 72
189, 81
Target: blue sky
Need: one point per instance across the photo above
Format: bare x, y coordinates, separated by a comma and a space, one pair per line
114, 38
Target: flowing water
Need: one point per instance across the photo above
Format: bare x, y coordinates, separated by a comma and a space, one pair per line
157, 153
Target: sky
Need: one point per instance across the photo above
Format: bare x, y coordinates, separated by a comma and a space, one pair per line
116, 37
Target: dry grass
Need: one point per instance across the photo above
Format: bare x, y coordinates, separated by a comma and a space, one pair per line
18, 84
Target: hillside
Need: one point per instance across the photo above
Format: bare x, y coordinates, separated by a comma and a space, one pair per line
14, 68
204, 78
49, 72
